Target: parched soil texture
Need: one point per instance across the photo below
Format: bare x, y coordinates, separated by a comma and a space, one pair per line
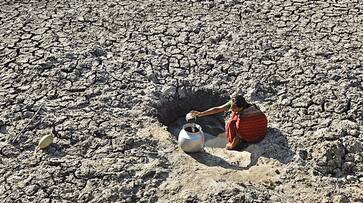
108, 78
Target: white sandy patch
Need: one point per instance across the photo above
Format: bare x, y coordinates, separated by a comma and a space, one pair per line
211, 170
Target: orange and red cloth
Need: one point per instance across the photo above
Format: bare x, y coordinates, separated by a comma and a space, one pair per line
250, 125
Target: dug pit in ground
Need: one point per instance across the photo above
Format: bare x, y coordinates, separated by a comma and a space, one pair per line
172, 114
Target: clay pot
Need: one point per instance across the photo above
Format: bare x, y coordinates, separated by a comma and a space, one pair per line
191, 138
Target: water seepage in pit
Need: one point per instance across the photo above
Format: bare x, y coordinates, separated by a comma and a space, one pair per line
172, 114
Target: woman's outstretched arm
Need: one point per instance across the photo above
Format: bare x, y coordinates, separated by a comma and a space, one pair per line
211, 111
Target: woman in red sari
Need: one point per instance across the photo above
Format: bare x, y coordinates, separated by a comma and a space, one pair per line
247, 123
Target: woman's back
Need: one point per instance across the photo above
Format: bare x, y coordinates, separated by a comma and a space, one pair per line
252, 124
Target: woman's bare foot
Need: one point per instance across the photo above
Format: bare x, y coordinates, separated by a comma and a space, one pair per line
234, 145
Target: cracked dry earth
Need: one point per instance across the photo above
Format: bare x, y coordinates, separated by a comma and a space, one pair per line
106, 78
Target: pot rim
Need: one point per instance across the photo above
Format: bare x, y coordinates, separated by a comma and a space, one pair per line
192, 125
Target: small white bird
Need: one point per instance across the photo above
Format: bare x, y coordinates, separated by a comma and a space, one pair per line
44, 142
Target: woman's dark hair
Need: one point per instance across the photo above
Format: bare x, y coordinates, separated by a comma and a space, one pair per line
241, 102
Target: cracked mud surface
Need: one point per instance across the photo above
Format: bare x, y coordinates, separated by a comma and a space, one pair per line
104, 75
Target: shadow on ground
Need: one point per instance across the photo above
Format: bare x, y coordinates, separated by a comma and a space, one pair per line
274, 146
55, 150
211, 160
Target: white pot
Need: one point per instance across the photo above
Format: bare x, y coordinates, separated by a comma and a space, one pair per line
191, 141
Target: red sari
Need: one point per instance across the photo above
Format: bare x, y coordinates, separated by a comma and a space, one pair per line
250, 125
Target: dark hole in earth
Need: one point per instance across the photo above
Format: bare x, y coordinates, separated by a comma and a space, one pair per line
172, 114
190, 129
